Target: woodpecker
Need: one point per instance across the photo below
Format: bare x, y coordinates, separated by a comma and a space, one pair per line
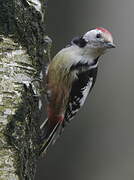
69, 79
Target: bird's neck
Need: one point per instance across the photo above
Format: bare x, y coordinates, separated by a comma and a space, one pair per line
93, 53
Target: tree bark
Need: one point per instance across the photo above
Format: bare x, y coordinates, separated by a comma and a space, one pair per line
23, 58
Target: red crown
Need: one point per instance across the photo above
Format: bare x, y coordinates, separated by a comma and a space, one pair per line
103, 30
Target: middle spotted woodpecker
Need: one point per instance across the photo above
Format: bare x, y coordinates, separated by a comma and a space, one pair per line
70, 77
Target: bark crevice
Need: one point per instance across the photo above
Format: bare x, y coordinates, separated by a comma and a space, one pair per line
23, 59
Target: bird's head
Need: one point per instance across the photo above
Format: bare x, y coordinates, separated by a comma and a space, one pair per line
95, 41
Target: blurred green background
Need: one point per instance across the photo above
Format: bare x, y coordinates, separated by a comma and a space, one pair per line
99, 143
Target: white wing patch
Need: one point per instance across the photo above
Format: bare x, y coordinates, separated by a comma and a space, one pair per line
81, 87
78, 100
85, 91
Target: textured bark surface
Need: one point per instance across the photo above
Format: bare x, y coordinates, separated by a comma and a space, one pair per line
23, 53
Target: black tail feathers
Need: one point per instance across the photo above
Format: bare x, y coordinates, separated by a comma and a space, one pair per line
50, 134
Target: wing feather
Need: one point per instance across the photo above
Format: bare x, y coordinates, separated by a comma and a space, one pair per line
79, 91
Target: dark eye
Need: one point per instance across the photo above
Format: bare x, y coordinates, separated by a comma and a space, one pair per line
98, 36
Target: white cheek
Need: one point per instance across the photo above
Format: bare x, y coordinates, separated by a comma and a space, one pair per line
90, 35
91, 39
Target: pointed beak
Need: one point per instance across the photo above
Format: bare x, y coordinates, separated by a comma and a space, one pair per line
110, 45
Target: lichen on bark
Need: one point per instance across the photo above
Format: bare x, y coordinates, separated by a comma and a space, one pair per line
23, 59
15, 72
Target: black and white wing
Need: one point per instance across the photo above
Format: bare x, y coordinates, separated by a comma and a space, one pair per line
79, 91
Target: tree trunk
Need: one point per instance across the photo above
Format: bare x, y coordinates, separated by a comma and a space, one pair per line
23, 53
